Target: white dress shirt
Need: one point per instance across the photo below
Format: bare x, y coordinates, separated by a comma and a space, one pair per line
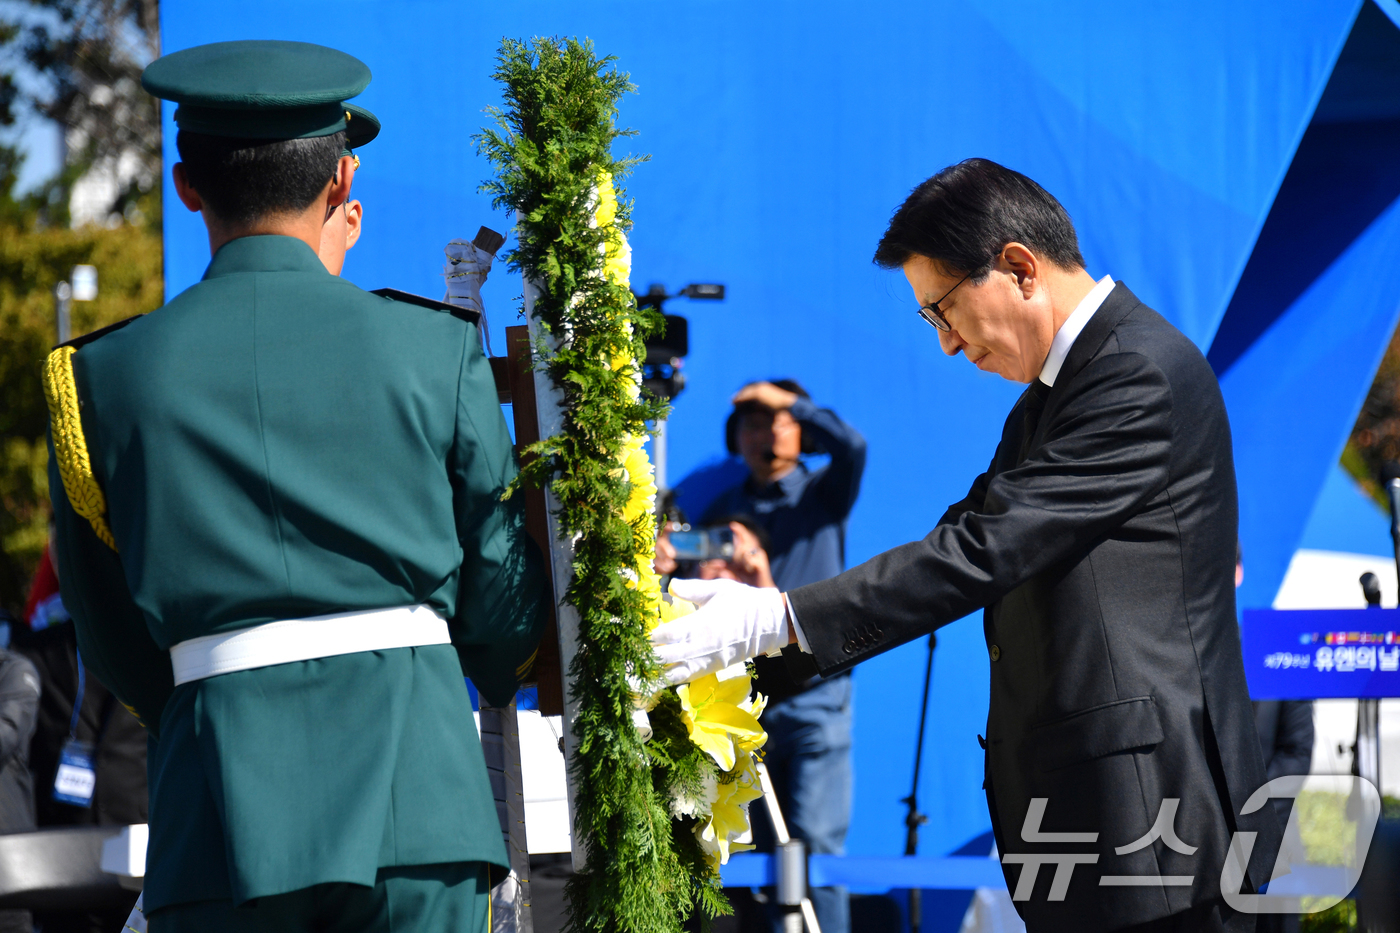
1070, 329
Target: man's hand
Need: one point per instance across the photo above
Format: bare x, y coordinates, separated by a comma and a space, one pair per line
465, 271
748, 565
665, 561
734, 623
765, 394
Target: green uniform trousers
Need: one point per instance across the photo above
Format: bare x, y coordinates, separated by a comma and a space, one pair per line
450, 898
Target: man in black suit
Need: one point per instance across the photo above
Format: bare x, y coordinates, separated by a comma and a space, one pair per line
1120, 746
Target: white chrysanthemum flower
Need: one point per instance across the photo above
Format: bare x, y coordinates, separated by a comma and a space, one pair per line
682, 805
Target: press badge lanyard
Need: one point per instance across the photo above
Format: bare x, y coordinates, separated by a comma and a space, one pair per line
76, 779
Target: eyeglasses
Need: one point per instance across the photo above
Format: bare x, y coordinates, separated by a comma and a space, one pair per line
932, 314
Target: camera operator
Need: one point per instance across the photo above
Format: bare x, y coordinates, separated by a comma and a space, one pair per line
802, 512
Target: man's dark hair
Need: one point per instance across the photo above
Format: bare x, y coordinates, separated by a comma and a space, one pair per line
964, 215
731, 426
244, 179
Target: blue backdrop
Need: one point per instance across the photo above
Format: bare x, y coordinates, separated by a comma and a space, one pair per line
783, 134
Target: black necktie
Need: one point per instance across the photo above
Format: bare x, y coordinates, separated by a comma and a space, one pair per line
1032, 406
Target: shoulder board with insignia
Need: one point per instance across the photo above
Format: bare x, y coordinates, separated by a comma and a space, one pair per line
393, 294
88, 338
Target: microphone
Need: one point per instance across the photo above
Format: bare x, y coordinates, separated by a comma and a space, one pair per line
1366, 754
1371, 586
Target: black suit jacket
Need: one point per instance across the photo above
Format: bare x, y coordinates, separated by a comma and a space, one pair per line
1101, 543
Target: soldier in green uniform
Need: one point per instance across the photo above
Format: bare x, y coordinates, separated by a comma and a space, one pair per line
281, 534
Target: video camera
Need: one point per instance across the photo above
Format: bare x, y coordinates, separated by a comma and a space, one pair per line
703, 543
662, 370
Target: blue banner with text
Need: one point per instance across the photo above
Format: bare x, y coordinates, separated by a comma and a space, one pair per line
1308, 654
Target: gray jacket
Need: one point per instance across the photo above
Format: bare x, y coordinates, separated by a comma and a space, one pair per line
19, 707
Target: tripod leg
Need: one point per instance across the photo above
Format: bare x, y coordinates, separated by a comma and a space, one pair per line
790, 888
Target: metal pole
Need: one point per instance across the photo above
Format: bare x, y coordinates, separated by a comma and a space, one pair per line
62, 302
1392, 489
500, 745
658, 449
914, 819
1367, 760
549, 415
790, 865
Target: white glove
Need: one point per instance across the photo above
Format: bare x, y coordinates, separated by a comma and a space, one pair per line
465, 271
734, 623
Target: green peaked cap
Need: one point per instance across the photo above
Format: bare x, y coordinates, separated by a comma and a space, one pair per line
361, 127
258, 88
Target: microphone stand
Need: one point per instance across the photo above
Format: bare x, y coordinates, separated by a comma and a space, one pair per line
1368, 712
1366, 760
1366, 753
1366, 750
914, 819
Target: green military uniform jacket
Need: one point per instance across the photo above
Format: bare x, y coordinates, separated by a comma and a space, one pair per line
276, 443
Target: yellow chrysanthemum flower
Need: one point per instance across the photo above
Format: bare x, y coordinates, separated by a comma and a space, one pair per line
606, 211
641, 476
644, 530
729, 813
630, 445
634, 384
714, 717
617, 256
635, 467
720, 716
649, 583
617, 261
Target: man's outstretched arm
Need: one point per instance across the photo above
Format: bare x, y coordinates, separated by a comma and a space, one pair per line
1105, 456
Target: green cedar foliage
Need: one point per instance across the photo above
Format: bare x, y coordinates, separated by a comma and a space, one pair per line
644, 871
33, 259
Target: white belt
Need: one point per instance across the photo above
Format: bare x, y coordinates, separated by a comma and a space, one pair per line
306, 640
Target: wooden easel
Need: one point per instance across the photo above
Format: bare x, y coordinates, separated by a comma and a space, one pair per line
515, 386
500, 738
